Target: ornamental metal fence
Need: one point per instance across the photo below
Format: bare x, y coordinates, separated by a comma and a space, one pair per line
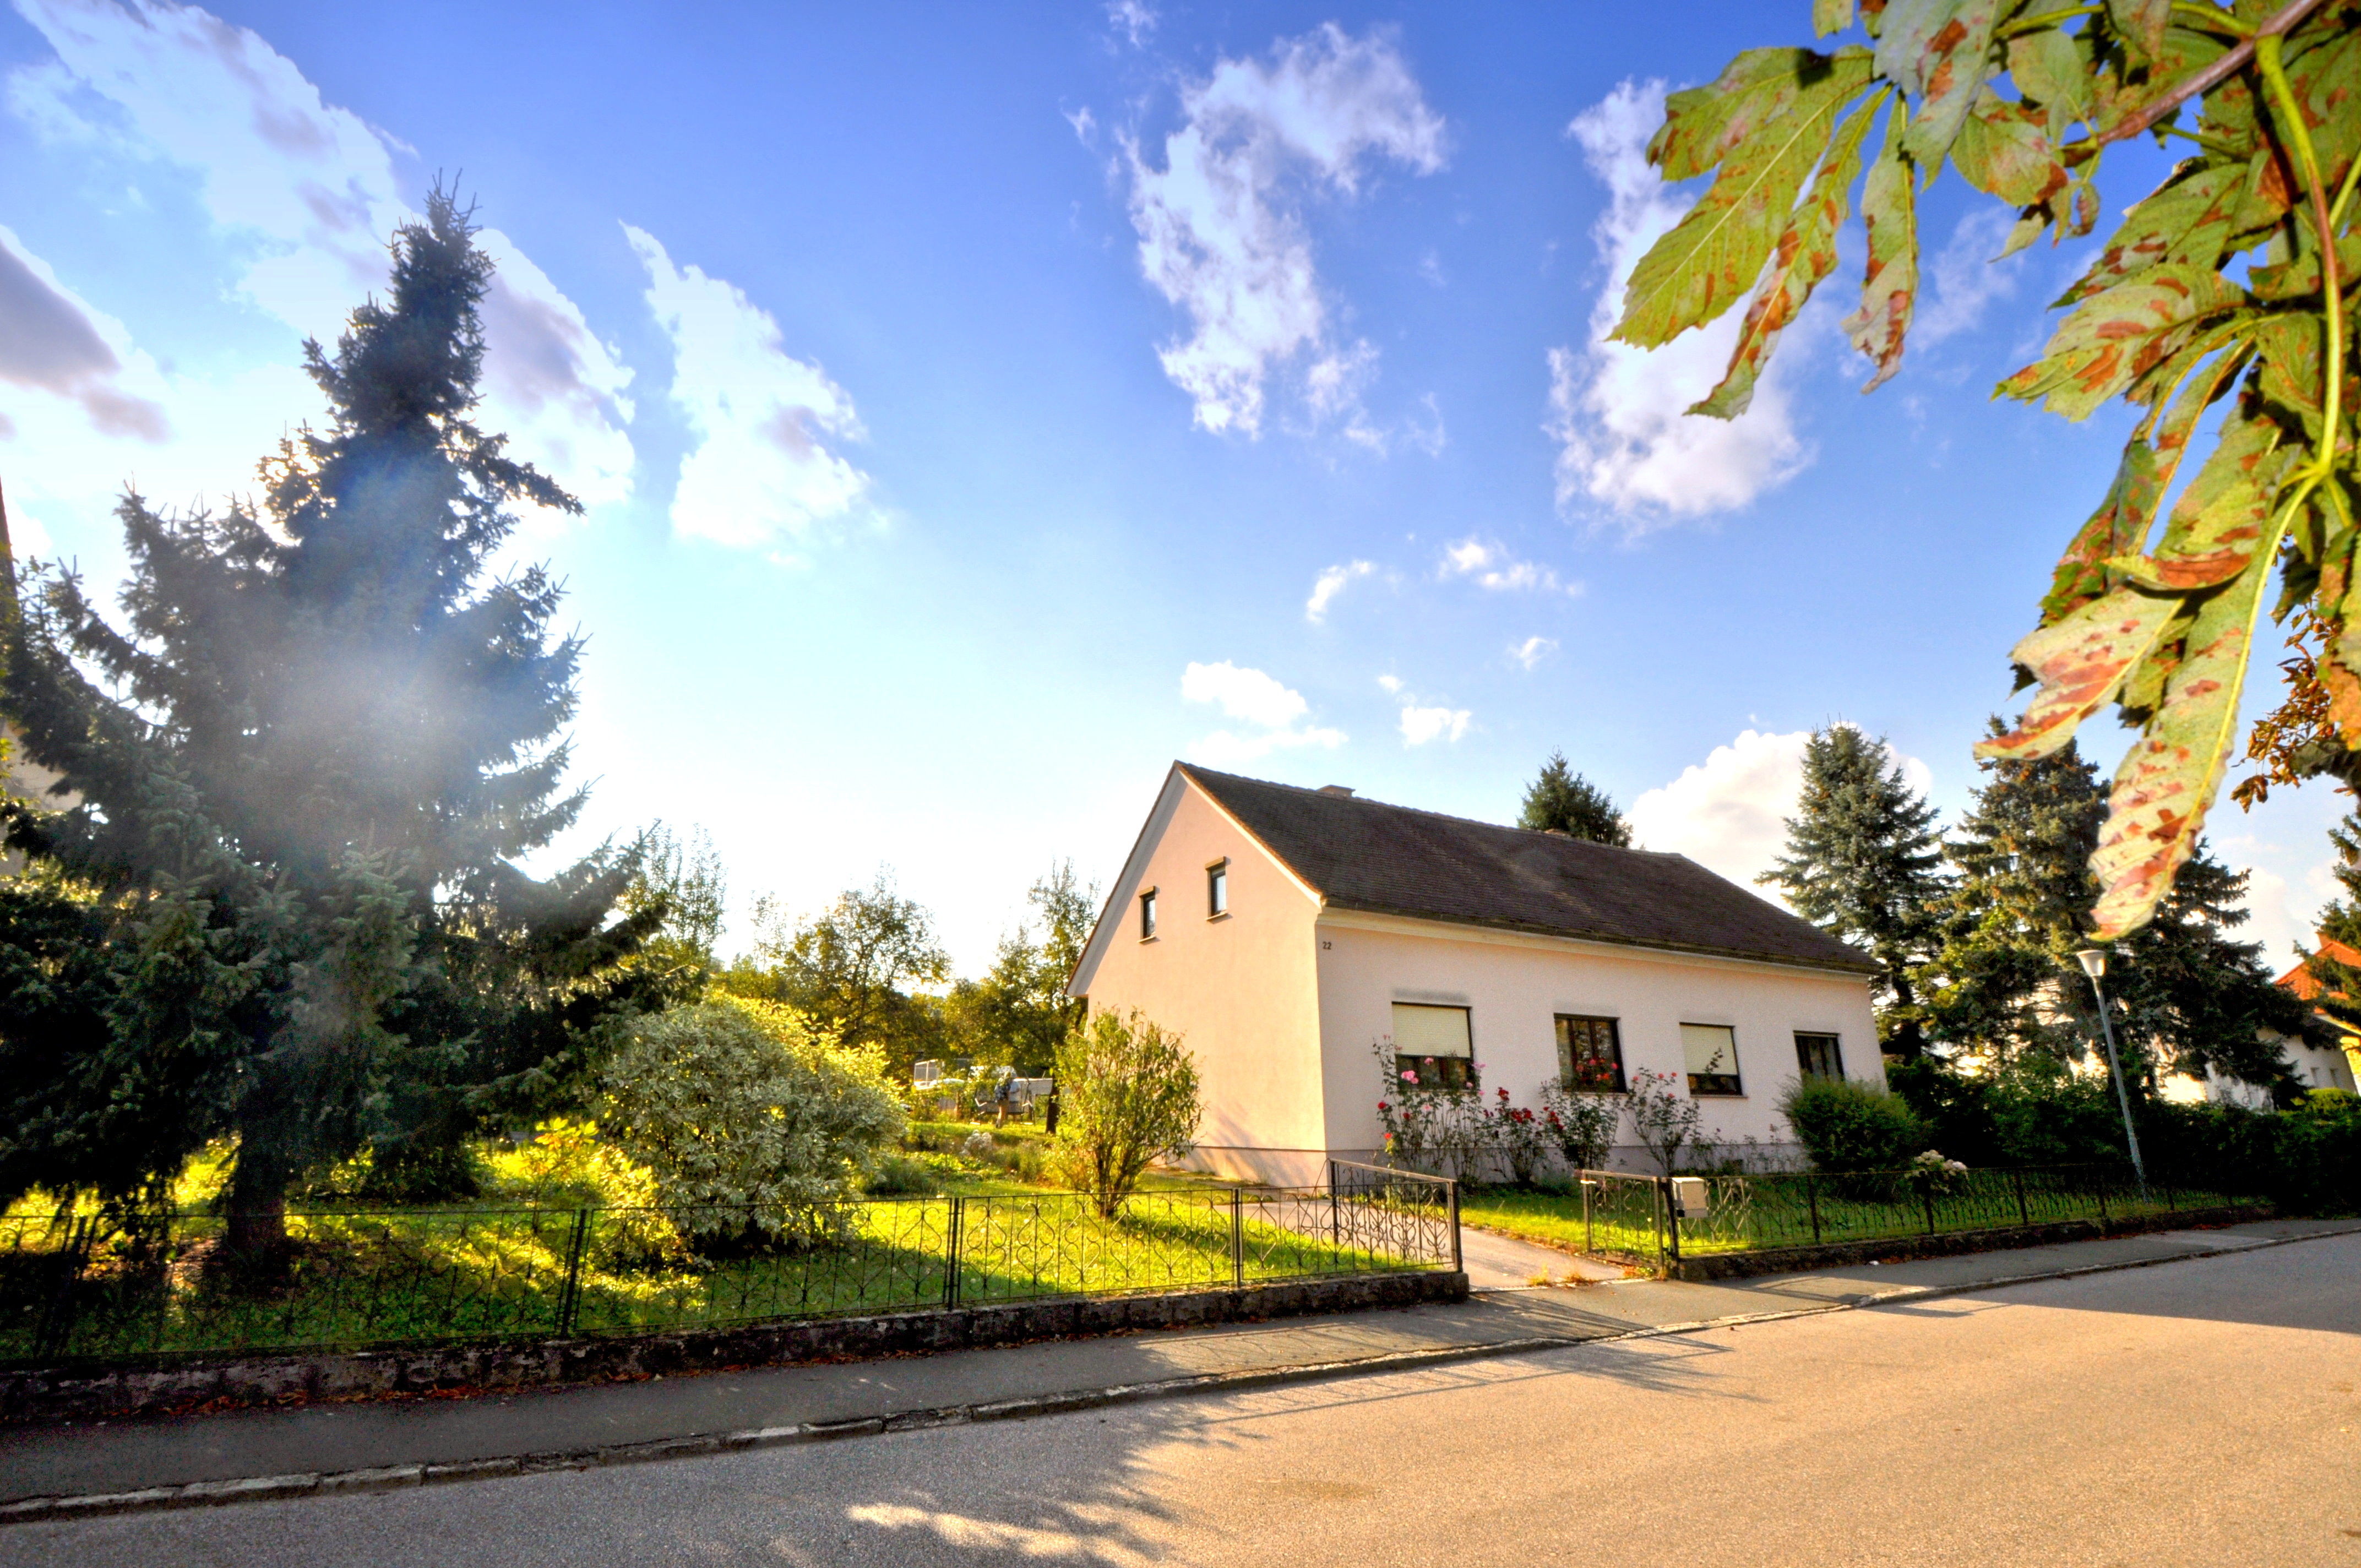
1660, 1220
83, 1288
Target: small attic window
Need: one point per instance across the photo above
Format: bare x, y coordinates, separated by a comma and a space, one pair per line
1217, 890
1148, 916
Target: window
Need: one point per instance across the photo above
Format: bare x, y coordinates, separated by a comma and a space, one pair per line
1435, 1043
1710, 1053
1217, 890
1589, 1055
1148, 916
1816, 1056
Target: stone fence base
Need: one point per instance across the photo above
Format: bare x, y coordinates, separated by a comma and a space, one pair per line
1947, 1243
81, 1391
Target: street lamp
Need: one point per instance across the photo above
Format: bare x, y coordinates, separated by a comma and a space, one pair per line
2094, 964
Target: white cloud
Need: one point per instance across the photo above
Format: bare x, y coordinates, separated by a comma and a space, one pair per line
1277, 711
758, 470
1390, 685
1491, 567
1532, 650
1421, 725
1329, 584
52, 340
1221, 227
304, 196
1135, 19
1965, 278
1616, 410
1729, 812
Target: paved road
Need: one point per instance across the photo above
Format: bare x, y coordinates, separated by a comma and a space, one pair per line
2201, 1412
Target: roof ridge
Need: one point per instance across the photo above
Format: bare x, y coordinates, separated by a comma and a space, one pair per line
1198, 769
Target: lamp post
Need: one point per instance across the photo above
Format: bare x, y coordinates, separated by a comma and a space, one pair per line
2094, 964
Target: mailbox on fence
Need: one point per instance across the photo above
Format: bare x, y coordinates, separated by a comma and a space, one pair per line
1689, 1197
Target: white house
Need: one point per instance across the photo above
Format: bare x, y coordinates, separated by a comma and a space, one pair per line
1298, 938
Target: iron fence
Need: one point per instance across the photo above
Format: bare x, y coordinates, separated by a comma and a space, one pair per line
81, 1288
1659, 1219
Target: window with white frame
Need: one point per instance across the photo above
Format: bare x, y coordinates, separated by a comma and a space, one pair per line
1217, 890
1589, 1055
1818, 1055
1148, 916
1709, 1052
1436, 1043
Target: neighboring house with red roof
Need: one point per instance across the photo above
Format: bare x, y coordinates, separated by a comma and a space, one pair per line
1298, 938
2315, 1065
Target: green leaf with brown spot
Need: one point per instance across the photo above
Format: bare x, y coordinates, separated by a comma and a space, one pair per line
2116, 337
1702, 125
1715, 253
2081, 662
2219, 521
2003, 149
1889, 287
1938, 52
1831, 17
1807, 252
2141, 24
2053, 69
2186, 219
2169, 779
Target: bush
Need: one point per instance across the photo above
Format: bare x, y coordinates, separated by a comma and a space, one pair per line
745, 1108
1846, 1126
1582, 1125
899, 1176
1129, 1096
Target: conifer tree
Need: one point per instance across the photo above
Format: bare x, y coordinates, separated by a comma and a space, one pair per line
1864, 863
2188, 996
2017, 913
1562, 801
298, 781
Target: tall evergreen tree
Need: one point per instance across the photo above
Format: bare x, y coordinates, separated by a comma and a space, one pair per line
1864, 863
2188, 997
297, 785
1562, 801
1998, 981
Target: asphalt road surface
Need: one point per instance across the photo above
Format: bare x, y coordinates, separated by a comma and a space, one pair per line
2200, 1413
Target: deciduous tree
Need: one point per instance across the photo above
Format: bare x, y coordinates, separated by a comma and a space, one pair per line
2227, 286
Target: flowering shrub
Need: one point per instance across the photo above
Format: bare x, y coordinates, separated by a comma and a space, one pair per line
1521, 1137
1932, 1176
1581, 1126
1428, 1118
1665, 1119
749, 1115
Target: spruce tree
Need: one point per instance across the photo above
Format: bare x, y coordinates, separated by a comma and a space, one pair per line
2187, 996
1562, 801
1998, 982
1864, 863
298, 782
2198, 998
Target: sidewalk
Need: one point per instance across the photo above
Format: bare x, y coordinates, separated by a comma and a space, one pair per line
613, 1423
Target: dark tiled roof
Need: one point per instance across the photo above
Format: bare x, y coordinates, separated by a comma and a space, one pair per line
1392, 859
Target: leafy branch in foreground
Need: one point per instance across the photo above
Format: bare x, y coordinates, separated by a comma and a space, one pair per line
2161, 625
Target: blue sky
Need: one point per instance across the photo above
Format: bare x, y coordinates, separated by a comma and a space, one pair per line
980, 407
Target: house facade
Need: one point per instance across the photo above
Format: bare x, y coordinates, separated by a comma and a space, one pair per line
1301, 940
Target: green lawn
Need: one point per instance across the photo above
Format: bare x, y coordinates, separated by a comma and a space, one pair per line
407, 1276
1779, 1210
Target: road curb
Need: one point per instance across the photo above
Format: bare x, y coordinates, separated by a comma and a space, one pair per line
400, 1477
